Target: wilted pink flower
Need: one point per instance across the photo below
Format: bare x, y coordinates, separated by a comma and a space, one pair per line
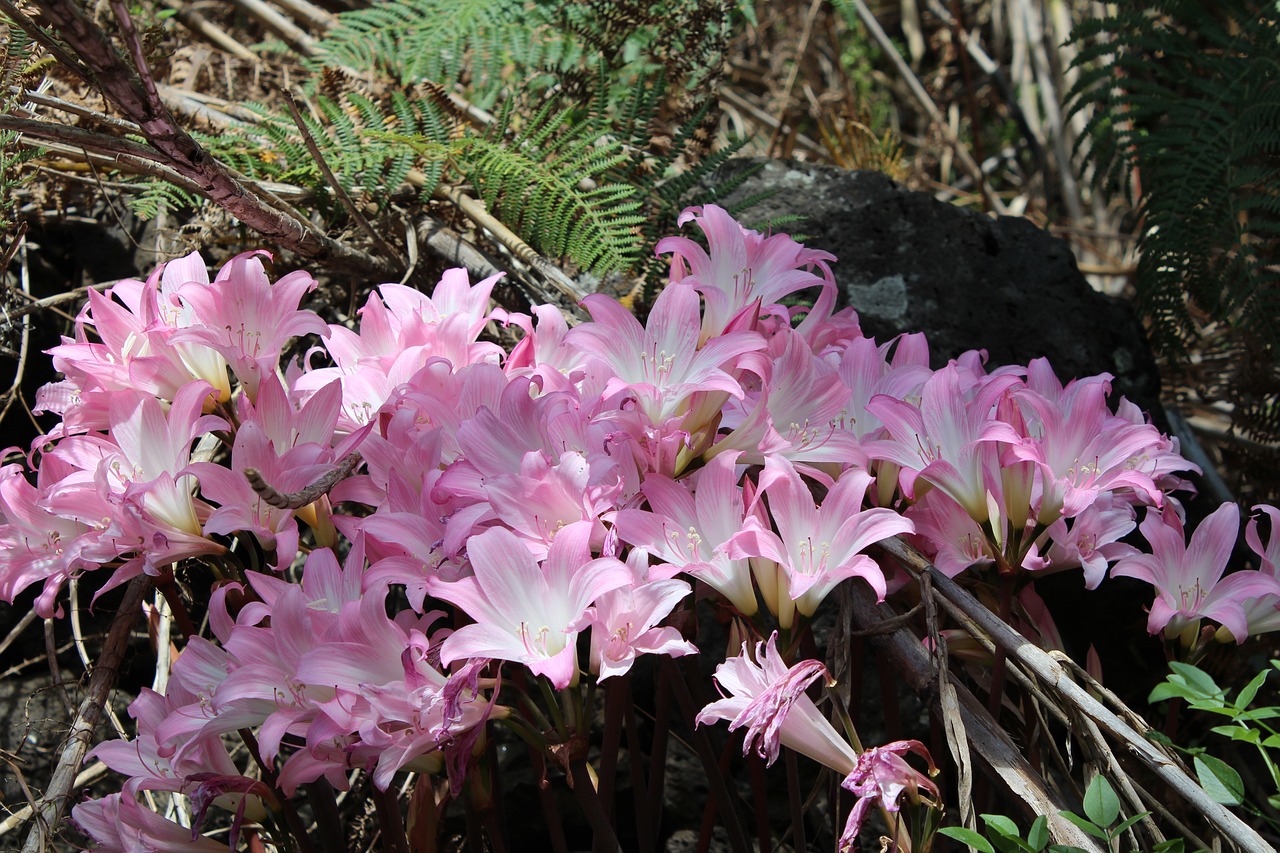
881, 777
768, 698
120, 824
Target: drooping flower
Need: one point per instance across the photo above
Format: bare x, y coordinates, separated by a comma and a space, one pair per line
1188, 578
881, 777
118, 823
768, 698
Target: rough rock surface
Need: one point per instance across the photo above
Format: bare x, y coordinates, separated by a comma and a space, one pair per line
908, 263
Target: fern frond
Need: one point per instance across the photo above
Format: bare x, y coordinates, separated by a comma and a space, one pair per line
413, 41
155, 196
1187, 96
549, 183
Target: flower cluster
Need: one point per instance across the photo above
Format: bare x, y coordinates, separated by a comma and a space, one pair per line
577, 486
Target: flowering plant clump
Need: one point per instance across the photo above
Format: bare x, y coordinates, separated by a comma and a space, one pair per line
415, 536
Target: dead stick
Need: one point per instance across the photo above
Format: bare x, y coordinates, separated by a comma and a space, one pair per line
103, 679
290, 101
117, 81
1057, 678
311, 494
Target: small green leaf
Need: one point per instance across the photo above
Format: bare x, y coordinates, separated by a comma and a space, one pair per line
1197, 679
1038, 835
1250, 690
1002, 825
1272, 741
1219, 780
1085, 824
1259, 714
1159, 737
1128, 822
1100, 802
1173, 845
1167, 690
969, 837
1243, 733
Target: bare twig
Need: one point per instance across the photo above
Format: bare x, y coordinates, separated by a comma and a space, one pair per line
311, 14
789, 86
312, 493
280, 25
476, 212
94, 771
931, 109
177, 149
1057, 679
203, 27
54, 803
16, 631
389, 251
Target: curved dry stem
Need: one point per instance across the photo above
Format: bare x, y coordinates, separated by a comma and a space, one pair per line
53, 805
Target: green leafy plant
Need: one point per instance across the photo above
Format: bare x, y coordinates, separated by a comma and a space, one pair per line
1101, 819
1246, 724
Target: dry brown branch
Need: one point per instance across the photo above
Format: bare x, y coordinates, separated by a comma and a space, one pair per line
280, 25
176, 148
310, 494
206, 29
1056, 679
54, 802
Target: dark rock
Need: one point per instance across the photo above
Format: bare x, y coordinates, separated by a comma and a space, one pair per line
910, 263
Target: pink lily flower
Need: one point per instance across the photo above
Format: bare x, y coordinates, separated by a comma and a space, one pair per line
947, 440
52, 532
525, 612
768, 699
247, 319
743, 267
689, 531
1189, 579
815, 547
660, 365
881, 777
1082, 450
118, 823
800, 411
624, 621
